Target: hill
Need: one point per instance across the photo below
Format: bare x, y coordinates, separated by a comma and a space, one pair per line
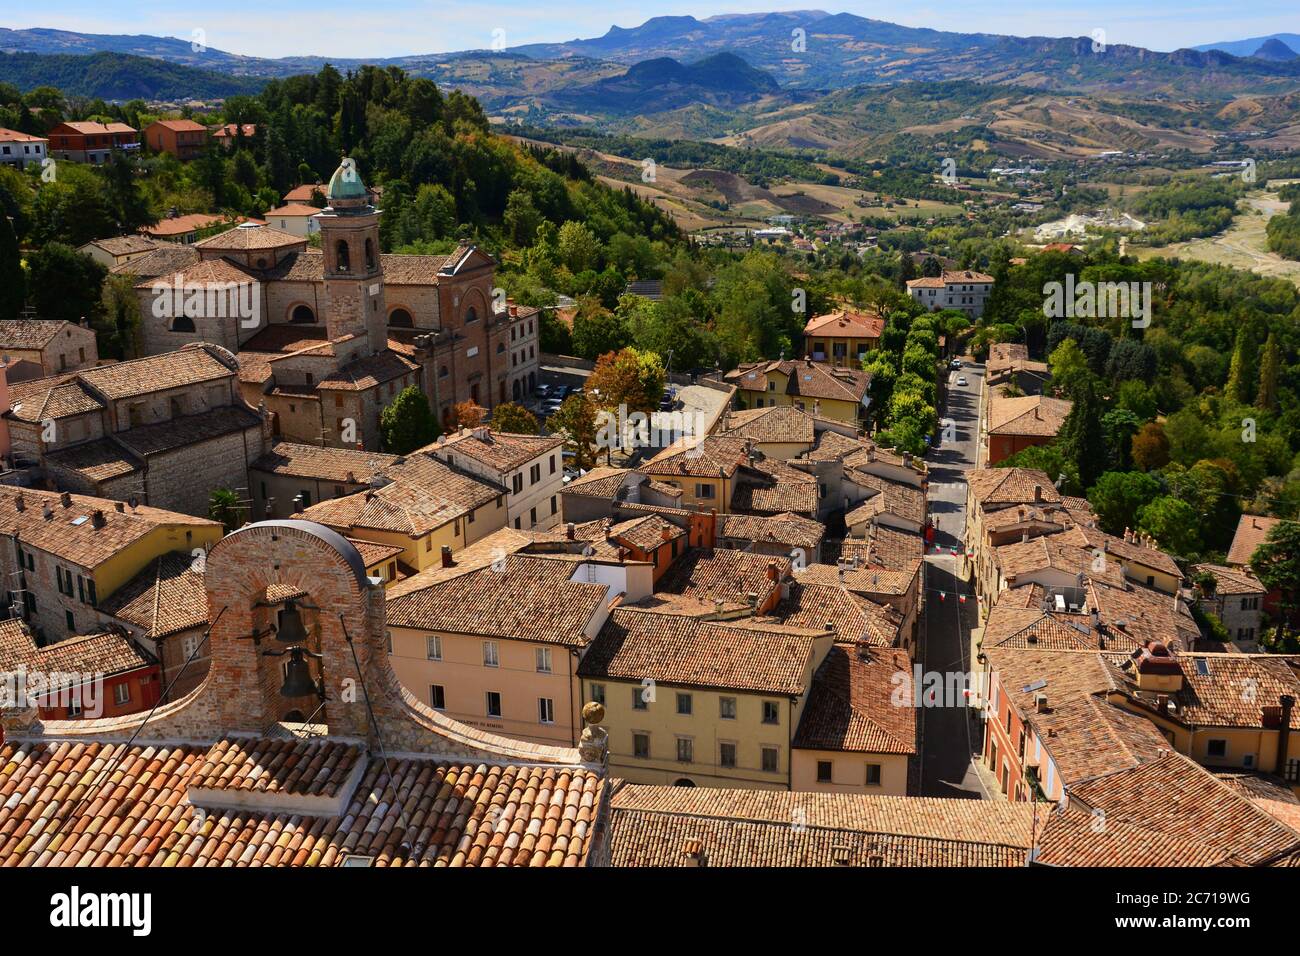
1249, 46
721, 80
1274, 49
116, 76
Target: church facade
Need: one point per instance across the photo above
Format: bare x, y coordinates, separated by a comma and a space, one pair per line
326, 337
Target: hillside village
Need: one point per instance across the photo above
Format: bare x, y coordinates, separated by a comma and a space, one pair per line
513, 527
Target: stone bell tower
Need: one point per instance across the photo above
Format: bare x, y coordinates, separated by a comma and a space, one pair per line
354, 272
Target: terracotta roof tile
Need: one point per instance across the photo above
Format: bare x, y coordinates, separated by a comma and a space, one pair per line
499, 450
1034, 415
323, 463
429, 812
637, 644
851, 706
106, 652
1250, 534
529, 598
650, 826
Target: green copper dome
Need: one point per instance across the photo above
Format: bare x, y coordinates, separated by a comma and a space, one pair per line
346, 182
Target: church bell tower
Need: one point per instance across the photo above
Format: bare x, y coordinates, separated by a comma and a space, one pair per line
354, 272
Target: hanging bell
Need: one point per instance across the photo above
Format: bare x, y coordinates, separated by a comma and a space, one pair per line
298, 681
290, 630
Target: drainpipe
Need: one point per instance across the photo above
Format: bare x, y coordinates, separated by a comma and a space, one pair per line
1284, 733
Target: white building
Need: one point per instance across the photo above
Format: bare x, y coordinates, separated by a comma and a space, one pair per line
19, 149
965, 290
297, 219
531, 468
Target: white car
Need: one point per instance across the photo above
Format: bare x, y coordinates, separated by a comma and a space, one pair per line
961, 379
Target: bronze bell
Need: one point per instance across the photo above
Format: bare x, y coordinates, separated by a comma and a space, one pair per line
290, 630
298, 681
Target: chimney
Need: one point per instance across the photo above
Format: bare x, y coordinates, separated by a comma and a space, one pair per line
121, 508
514, 310
1024, 537
1038, 494
773, 573
1284, 733
447, 562
1040, 703
47, 512
20, 502
97, 519
808, 360
666, 534
569, 531
65, 499
693, 853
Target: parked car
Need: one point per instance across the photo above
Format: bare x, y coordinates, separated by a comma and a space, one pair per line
961, 379
955, 363
542, 392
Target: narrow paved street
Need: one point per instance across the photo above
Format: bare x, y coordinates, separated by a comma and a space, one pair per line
948, 734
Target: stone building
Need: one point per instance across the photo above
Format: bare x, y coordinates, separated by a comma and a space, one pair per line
33, 348
326, 338
164, 430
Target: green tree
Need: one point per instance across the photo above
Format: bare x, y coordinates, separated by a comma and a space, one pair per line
514, 418
1173, 523
1120, 425
1081, 438
407, 423
65, 284
224, 506
521, 218
1241, 372
1118, 496
597, 331
1069, 366
578, 247
13, 285
1269, 363
120, 308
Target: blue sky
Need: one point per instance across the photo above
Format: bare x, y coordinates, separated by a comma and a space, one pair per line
374, 28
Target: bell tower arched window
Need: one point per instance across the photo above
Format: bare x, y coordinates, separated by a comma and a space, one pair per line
341, 257
370, 255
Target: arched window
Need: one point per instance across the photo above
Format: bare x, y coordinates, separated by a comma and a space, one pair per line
516, 389
471, 315
182, 323
302, 315
401, 319
442, 372
684, 782
341, 256
501, 347
370, 256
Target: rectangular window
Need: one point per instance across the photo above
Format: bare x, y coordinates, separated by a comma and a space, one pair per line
685, 749
517, 483
544, 660
770, 759
554, 458
189, 645
72, 622
597, 693
437, 697
1216, 748
771, 712
433, 648
641, 746
490, 656
726, 755
121, 694
639, 699
704, 491
727, 708
535, 474
873, 775
493, 703
545, 710
684, 704
823, 771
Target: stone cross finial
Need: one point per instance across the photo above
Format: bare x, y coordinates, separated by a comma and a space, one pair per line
593, 746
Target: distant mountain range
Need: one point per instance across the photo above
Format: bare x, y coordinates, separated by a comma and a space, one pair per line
119, 76
1252, 46
802, 50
